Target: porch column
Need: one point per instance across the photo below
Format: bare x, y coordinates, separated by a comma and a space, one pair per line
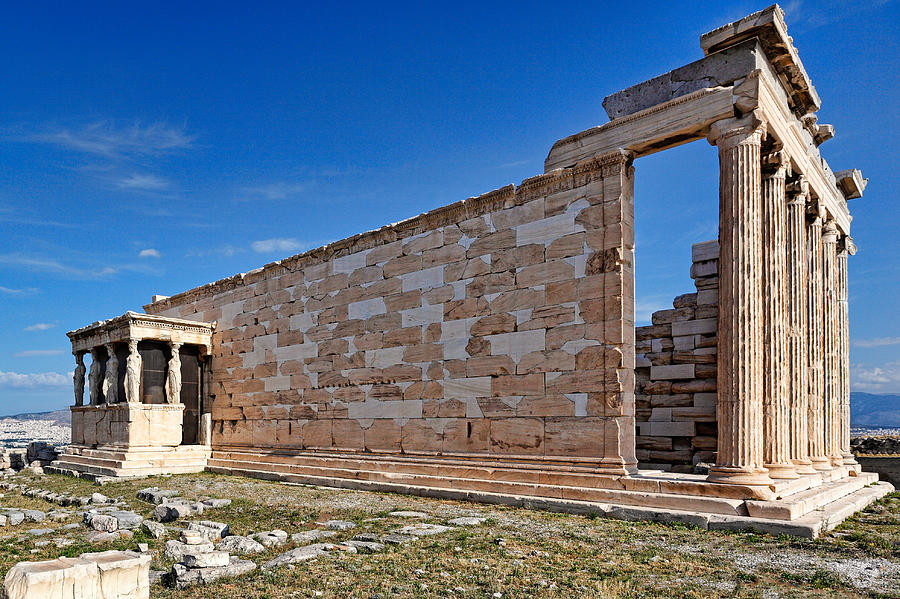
831, 329
133, 369
739, 408
816, 341
845, 249
94, 377
173, 375
78, 378
797, 358
111, 380
776, 406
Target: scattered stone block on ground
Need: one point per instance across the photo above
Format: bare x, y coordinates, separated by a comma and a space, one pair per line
307, 536
104, 575
210, 559
213, 531
176, 550
240, 545
423, 529
339, 525
271, 538
154, 529
155, 495
302, 554
185, 577
366, 546
409, 514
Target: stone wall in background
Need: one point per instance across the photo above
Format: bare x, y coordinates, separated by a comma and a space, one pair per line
499, 325
675, 368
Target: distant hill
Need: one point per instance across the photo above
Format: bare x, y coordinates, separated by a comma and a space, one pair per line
58, 417
880, 411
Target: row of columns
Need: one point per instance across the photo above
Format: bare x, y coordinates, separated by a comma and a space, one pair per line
783, 345
105, 388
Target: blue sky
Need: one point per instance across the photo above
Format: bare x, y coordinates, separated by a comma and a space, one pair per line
149, 149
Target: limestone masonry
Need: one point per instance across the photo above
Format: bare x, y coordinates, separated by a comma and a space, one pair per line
487, 349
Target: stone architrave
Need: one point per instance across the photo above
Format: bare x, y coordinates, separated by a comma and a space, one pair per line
776, 404
815, 341
133, 373
111, 380
831, 328
739, 408
797, 359
78, 378
94, 377
173, 375
846, 248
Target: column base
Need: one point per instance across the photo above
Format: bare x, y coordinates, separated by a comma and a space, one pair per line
739, 476
782, 471
803, 466
848, 459
836, 461
820, 463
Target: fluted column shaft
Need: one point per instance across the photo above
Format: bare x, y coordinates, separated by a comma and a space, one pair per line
816, 342
831, 328
845, 249
739, 409
798, 387
776, 406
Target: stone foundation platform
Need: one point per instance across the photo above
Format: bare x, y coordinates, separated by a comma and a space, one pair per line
804, 507
131, 462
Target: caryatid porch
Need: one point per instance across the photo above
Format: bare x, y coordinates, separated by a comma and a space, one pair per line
139, 406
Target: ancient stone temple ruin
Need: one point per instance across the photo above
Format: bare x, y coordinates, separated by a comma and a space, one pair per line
487, 349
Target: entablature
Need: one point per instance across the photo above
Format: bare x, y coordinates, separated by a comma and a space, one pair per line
133, 326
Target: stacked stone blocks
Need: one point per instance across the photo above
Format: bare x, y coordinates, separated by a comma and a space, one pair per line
500, 325
675, 369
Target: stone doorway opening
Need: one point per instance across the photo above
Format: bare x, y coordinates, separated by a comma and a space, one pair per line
676, 210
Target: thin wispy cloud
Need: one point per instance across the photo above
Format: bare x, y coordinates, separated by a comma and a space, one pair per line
149, 253
279, 244
143, 183
274, 191
40, 326
108, 138
20, 380
514, 164
23, 291
32, 353
54, 266
877, 342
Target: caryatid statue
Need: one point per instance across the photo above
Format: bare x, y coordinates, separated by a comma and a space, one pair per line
94, 377
78, 378
133, 373
173, 376
111, 380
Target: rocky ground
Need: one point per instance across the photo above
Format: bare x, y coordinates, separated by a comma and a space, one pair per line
286, 540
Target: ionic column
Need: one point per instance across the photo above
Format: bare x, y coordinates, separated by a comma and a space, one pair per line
739, 459
797, 359
831, 331
816, 341
776, 406
94, 377
845, 249
133, 364
78, 378
173, 375
111, 380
